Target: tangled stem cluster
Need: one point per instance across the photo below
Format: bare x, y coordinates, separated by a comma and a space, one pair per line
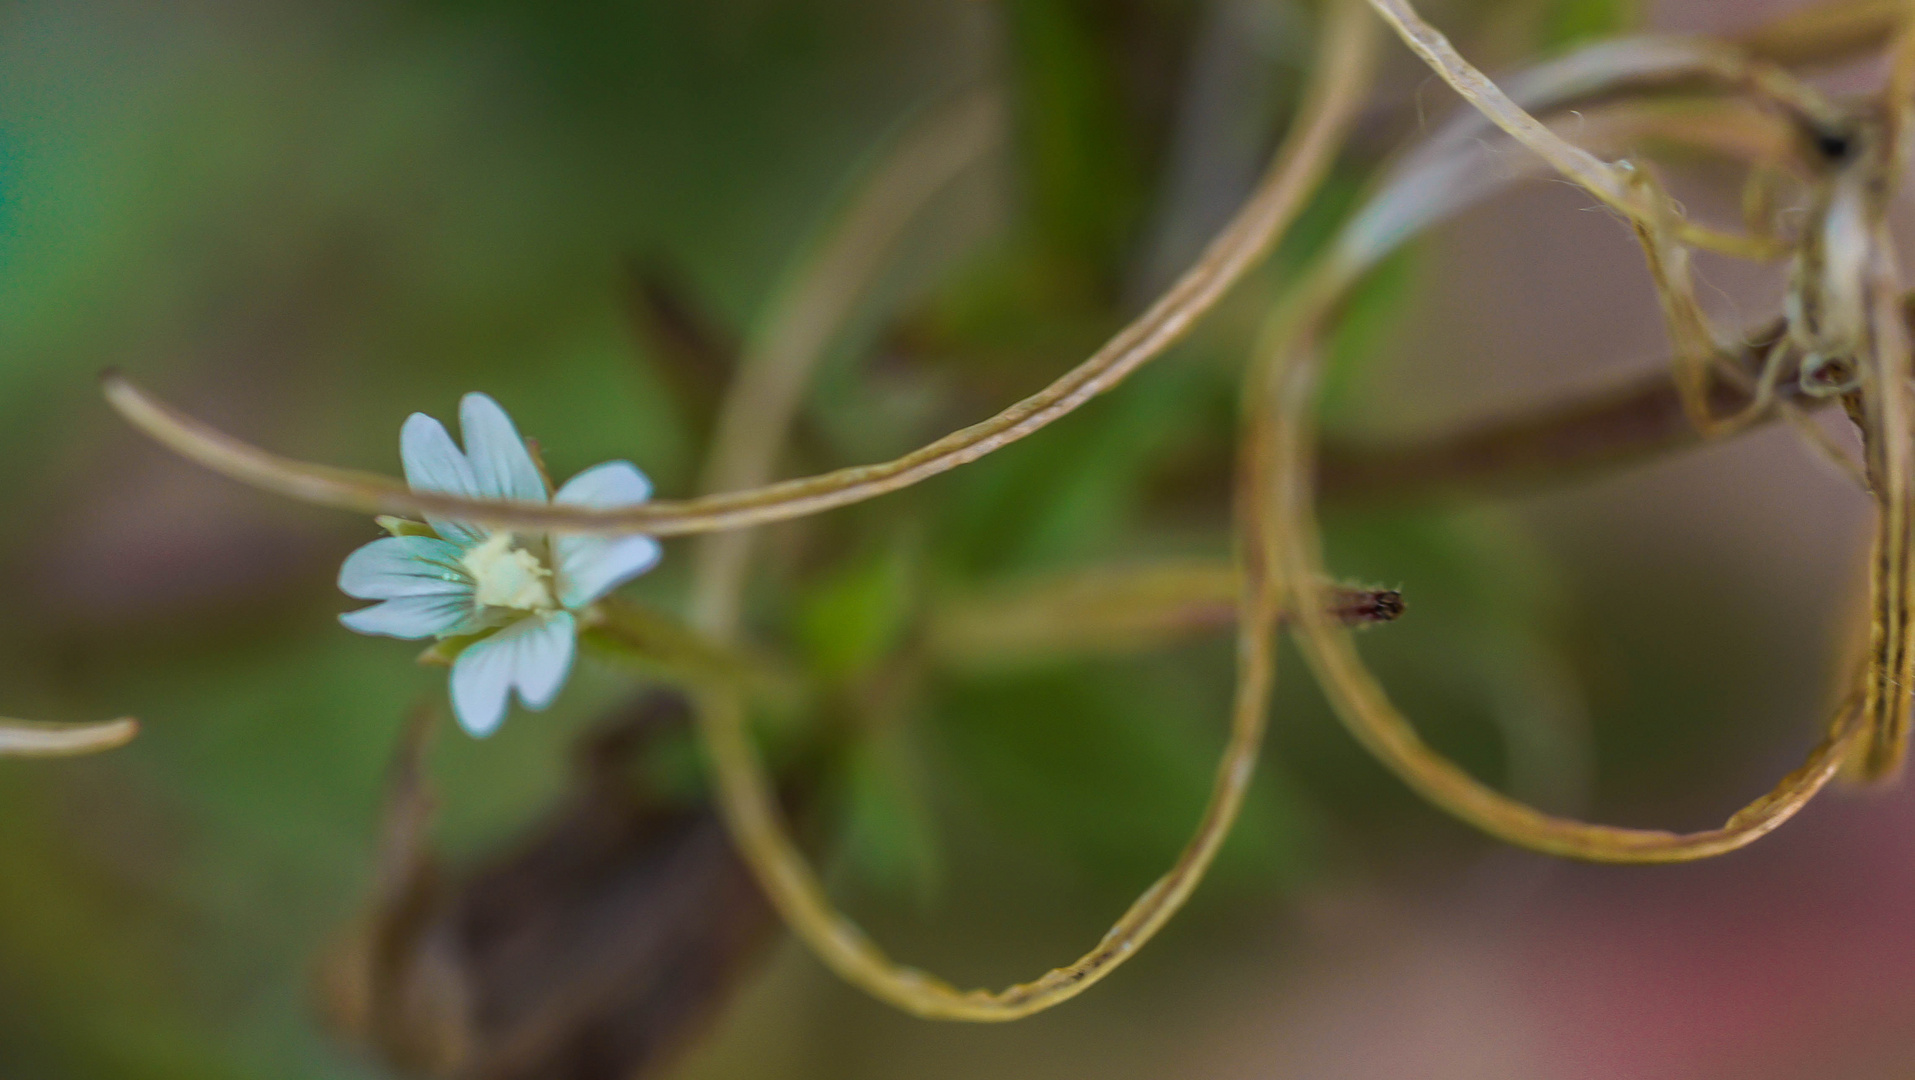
1842, 339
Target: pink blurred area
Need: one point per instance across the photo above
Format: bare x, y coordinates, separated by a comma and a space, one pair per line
1788, 961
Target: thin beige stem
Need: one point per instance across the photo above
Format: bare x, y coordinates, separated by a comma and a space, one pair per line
27, 738
751, 808
1608, 181
1694, 358
1595, 430
668, 649
1298, 167
1891, 677
758, 826
1838, 32
1661, 228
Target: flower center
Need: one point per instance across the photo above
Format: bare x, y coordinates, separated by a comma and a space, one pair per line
508, 577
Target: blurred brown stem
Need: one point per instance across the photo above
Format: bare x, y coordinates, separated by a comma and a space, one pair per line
1608, 427
682, 655
1825, 33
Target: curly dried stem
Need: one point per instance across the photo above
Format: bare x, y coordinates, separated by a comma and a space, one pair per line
746, 795
1661, 228
1294, 174
1609, 181
1284, 526
757, 824
1882, 405
27, 738
1891, 678
1599, 429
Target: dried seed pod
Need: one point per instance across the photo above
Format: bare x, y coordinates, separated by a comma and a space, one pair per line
597, 947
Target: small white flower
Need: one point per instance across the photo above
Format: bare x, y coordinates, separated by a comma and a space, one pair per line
519, 592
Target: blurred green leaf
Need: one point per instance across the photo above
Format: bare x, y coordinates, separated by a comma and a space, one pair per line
855, 615
1480, 659
1065, 498
889, 836
1372, 313
1108, 765
1083, 169
1568, 23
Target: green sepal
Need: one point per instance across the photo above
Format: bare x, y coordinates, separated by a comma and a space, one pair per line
441, 653
399, 526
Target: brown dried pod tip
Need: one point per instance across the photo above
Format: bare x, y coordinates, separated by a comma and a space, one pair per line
1365, 607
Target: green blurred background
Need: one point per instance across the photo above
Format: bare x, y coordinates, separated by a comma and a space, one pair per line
305, 221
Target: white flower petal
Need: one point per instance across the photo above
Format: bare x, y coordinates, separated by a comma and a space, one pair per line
533, 654
434, 463
544, 657
413, 617
615, 483
501, 464
591, 566
404, 566
482, 684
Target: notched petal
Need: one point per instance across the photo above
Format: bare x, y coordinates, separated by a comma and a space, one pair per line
433, 462
591, 566
501, 465
533, 656
544, 657
481, 681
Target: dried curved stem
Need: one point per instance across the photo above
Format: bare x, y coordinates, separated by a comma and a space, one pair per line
1599, 429
1884, 407
800, 897
27, 738
1662, 229
751, 809
1891, 678
1293, 175
1283, 525
1286, 527
1609, 181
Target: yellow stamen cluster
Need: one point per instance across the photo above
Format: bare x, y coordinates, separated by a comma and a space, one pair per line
509, 577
